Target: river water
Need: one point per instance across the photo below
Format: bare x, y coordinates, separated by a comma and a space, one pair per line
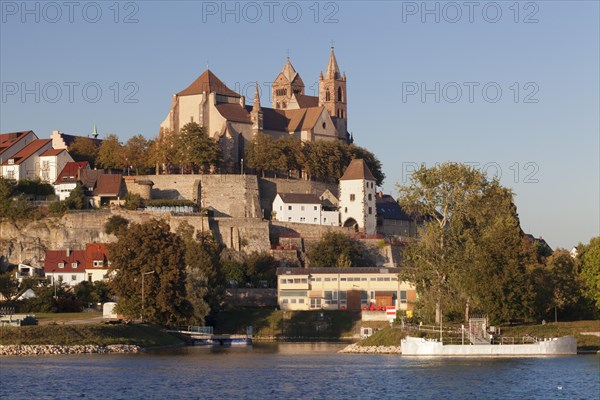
294, 371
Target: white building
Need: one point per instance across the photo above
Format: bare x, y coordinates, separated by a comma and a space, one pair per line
65, 266
343, 289
357, 198
25, 164
51, 163
304, 208
27, 271
68, 177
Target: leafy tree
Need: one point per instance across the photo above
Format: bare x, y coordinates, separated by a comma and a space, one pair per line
163, 151
261, 267
469, 250
590, 270
233, 271
76, 199
564, 280
9, 285
12, 205
289, 150
337, 249
262, 154
203, 273
114, 224
136, 153
92, 292
34, 187
111, 153
141, 249
84, 149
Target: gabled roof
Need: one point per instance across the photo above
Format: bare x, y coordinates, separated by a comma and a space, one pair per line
96, 252
288, 71
234, 112
10, 138
299, 198
108, 185
55, 257
70, 172
305, 101
333, 70
357, 169
388, 208
52, 152
27, 151
302, 119
208, 82
88, 177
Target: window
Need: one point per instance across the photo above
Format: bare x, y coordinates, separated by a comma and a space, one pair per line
315, 208
61, 265
327, 279
10, 174
324, 125
280, 208
293, 301
98, 263
301, 301
327, 95
324, 219
315, 302
339, 96
343, 295
352, 197
318, 279
284, 301
315, 220
74, 265
370, 197
370, 210
89, 277
289, 219
73, 277
343, 279
346, 210
301, 208
290, 208
403, 297
302, 219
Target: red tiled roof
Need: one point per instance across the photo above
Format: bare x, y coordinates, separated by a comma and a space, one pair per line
108, 185
208, 82
357, 169
70, 171
55, 257
10, 138
300, 198
52, 152
302, 119
305, 101
96, 252
234, 112
28, 151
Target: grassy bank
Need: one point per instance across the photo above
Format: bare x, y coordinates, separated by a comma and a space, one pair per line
574, 328
102, 335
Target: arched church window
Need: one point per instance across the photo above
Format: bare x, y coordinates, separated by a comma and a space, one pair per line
283, 104
327, 95
339, 94
277, 105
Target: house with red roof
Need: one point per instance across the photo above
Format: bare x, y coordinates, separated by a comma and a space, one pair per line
96, 258
66, 266
52, 162
12, 142
102, 189
68, 177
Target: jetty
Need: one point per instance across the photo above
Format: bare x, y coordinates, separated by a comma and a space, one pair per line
204, 336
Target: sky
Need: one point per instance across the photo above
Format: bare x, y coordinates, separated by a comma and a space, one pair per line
510, 87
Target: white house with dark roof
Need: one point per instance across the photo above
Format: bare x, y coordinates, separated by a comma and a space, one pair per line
357, 200
68, 178
304, 208
52, 162
25, 163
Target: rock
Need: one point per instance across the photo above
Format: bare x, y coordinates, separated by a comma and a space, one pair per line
30, 350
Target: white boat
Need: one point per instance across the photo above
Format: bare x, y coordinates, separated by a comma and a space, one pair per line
413, 346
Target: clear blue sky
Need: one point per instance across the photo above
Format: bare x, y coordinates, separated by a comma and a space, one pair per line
541, 133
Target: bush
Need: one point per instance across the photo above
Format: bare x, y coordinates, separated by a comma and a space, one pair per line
171, 203
34, 187
133, 201
114, 224
57, 207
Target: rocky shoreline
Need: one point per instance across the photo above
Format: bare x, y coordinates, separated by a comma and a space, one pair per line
38, 350
356, 348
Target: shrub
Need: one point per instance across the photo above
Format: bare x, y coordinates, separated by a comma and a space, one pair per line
133, 201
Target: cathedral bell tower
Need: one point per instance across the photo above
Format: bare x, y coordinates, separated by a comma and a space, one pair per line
332, 95
287, 83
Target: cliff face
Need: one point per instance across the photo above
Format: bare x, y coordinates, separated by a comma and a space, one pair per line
28, 242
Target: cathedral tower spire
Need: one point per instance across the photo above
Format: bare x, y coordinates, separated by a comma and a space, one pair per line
287, 83
256, 115
332, 94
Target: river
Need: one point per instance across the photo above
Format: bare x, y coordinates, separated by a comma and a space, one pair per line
294, 371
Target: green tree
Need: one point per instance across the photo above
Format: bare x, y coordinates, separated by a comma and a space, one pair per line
114, 224
262, 154
233, 271
76, 199
110, 153
337, 249
133, 201
204, 286
163, 151
13, 206
136, 153
141, 249
590, 270
261, 267
9, 285
469, 250
84, 149
564, 280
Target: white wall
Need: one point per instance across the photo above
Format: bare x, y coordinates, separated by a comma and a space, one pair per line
302, 213
67, 277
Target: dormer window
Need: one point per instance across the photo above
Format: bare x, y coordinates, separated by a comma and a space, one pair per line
61, 265
11, 161
98, 263
74, 265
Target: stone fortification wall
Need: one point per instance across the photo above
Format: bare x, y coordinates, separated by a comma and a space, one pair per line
229, 195
269, 187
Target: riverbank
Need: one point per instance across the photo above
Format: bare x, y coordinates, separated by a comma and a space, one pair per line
101, 336
359, 349
38, 350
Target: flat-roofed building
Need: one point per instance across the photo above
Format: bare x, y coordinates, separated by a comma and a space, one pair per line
342, 289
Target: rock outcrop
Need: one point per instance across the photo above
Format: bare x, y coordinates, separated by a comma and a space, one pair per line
38, 350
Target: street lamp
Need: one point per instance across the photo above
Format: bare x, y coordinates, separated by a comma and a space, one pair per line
143, 276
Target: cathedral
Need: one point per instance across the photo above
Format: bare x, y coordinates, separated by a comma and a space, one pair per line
225, 116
